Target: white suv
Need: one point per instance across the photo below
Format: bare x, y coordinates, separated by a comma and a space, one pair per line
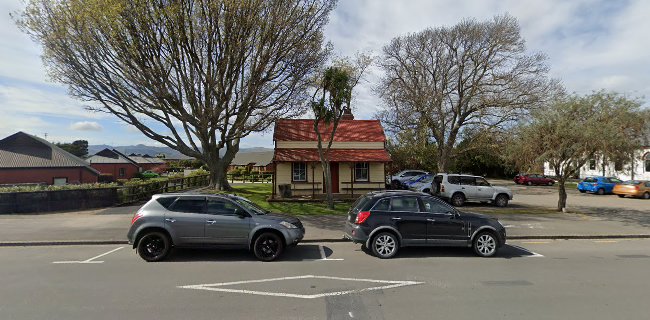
459, 188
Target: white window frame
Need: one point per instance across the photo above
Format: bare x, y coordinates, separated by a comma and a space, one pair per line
301, 166
360, 166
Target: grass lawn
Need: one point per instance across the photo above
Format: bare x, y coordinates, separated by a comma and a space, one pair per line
259, 192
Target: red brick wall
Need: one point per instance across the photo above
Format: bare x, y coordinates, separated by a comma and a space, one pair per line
158, 167
46, 175
114, 169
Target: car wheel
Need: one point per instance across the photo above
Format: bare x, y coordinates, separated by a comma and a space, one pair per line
601, 191
582, 191
154, 246
385, 245
426, 191
646, 195
550, 183
268, 246
529, 183
458, 199
621, 196
501, 201
485, 244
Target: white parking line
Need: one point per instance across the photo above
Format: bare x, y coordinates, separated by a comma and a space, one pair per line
215, 287
532, 254
91, 259
323, 257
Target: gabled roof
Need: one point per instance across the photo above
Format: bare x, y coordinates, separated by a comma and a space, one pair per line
145, 159
262, 158
110, 156
335, 155
347, 131
22, 150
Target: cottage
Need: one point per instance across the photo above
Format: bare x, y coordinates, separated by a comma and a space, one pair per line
148, 163
358, 157
638, 168
27, 159
257, 161
111, 161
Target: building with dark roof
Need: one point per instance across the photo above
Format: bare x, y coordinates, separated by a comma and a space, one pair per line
29, 159
114, 163
358, 156
147, 162
261, 161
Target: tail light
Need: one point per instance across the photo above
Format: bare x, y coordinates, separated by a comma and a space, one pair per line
637, 188
136, 216
442, 188
362, 217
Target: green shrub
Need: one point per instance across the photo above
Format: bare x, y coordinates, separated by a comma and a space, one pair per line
57, 188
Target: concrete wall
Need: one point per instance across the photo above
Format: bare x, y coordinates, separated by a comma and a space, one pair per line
46, 175
114, 169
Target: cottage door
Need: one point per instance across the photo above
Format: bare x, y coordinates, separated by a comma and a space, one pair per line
334, 169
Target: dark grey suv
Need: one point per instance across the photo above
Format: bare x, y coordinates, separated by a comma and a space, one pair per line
386, 221
221, 221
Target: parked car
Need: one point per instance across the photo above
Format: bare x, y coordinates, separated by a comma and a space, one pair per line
422, 184
417, 179
460, 188
598, 185
150, 174
397, 181
533, 179
633, 188
387, 221
220, 221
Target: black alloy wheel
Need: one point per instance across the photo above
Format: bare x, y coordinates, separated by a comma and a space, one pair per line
485, 244
154, 246
501, 201
268, 246
384, 245
601, 191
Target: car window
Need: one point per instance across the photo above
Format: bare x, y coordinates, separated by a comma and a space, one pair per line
405, 204
360, 203
222, 207
453, 179
647, 184
590, 180
435, 206
614, 180
482, 182
438, 179
166, 201
631, 182
189, 205
382, 205
467, 181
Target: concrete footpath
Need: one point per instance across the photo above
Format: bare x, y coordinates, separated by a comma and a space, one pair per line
110, 225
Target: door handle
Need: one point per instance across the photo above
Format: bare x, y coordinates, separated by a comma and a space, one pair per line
463, 188
172, 220
431, 220
211, 221
396, 218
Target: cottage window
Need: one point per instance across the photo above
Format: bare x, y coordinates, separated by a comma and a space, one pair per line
122, 172
646, 161
361, 170
592, 164
299, 171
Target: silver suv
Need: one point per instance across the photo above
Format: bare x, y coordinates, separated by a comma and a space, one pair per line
221, 221
459, 188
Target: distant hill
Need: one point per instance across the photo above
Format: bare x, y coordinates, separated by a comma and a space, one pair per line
152, 151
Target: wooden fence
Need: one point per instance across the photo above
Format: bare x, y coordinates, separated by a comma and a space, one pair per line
142, 192
264, 177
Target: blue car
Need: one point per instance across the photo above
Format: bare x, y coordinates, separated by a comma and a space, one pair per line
598, 185
409, 183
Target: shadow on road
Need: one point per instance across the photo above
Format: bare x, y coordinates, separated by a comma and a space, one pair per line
303, 252
505, 252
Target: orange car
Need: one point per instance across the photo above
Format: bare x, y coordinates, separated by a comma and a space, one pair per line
633, 188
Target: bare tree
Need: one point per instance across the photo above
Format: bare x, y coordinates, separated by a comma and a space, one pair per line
573, 130
449, 79
335, 90
194, 75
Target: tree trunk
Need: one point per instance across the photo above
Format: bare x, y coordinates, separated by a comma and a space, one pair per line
218, 177
328, 183
443, 160
561, 203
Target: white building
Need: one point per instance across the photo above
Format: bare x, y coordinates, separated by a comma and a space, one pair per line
638, 168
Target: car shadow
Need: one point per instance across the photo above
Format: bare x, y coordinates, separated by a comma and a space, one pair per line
505, 252
301, 252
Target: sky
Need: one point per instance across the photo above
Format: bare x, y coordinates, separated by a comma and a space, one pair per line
590, 44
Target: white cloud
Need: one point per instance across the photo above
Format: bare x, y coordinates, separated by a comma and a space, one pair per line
86, 126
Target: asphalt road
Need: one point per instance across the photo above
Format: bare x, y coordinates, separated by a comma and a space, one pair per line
561, 279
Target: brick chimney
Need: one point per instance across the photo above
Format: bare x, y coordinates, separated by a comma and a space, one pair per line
347, 114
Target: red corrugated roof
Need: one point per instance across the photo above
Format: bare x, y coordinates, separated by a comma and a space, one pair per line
335, 155
347, 131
